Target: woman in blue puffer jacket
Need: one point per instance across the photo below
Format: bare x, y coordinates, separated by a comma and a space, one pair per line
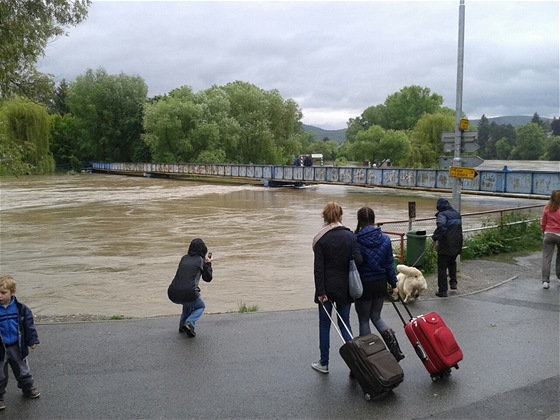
376, 271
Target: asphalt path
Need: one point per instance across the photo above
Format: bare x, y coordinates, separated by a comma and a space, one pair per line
257, 366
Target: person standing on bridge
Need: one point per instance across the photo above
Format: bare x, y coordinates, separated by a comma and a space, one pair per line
184, 289
449, 238
333, 247
550, 227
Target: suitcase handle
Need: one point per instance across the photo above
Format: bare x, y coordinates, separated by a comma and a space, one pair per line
420, 352
334, 323
397, 309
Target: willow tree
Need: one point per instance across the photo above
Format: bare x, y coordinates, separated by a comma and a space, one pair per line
24, 138
236, 123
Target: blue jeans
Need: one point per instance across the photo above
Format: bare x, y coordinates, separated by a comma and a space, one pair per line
192, 312
370, 310
325, 328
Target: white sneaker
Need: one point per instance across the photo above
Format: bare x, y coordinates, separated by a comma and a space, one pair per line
319, 367
545, 285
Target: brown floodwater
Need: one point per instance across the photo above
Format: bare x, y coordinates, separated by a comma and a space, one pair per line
109, 245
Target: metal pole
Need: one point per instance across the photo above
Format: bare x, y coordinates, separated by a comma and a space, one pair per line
458, 182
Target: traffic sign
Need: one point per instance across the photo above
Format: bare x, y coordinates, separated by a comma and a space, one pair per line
459, 172
472, 161
469, 147
449, 137
469, 161
463, 124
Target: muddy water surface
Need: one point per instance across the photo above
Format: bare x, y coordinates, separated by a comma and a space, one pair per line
109, 245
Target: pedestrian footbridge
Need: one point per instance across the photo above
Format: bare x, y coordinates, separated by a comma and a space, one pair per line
534, 184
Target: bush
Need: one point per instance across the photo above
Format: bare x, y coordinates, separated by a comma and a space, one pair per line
515, 232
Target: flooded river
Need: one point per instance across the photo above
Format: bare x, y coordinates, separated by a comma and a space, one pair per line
109, 245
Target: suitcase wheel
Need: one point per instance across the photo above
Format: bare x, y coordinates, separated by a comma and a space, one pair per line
441, 375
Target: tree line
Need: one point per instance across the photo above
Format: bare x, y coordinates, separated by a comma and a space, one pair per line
109, 117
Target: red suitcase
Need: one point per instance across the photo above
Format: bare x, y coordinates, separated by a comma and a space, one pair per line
433, 342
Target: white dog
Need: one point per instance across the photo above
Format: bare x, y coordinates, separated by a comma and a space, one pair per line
410, 283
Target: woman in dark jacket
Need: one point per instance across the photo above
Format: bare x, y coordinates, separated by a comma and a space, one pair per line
184, 288
333, 247
377, 270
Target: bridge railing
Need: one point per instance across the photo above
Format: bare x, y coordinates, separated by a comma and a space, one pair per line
513, 182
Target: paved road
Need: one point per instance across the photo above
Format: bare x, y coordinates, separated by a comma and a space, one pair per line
257, 366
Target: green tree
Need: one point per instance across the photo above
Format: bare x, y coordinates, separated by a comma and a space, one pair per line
426, 140
538, 120
555, 126
238, 122
395, 146
405, 108
503, 149
24, 138
401, 111
529, 143
25, 29
366, 145
168, 124
108, 111
552, 148
483, 136
57, 104
327, 148
64, 146
498, 132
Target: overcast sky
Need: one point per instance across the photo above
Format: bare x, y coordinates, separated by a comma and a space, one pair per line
334, 59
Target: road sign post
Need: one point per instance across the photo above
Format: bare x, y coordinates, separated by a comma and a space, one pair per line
461, 172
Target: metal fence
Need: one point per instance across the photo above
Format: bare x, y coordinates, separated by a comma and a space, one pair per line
472, 223
536, 183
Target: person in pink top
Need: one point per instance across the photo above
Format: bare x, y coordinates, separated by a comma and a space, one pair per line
550, 227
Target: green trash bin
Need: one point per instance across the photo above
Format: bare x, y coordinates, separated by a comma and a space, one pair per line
415, 247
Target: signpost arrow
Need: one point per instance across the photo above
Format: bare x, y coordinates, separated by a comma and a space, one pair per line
467, 137
459, 172
469, 147
472, 161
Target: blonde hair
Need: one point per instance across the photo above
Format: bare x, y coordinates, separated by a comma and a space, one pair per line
554, 202
7, 282
332, 213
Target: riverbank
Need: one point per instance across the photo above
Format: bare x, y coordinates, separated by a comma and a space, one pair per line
474, 276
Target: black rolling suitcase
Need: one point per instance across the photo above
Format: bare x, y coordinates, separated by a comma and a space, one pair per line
371, 364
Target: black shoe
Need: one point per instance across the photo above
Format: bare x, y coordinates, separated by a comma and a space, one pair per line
190, 329
31, 393
441, 294
453, 286
182, 329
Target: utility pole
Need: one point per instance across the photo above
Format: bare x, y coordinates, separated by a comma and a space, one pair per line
458, 182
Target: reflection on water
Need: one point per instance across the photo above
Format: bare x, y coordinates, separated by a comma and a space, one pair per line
109, 245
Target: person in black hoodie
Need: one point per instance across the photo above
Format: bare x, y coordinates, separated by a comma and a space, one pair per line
333, 246
184, 288
449, 238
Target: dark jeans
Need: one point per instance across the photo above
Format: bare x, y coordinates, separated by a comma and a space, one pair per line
325, 328
446, 263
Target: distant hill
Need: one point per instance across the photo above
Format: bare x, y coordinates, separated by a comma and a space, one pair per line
515, 120
340, 135
335, 135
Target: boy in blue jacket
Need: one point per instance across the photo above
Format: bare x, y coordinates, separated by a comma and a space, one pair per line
17, 334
